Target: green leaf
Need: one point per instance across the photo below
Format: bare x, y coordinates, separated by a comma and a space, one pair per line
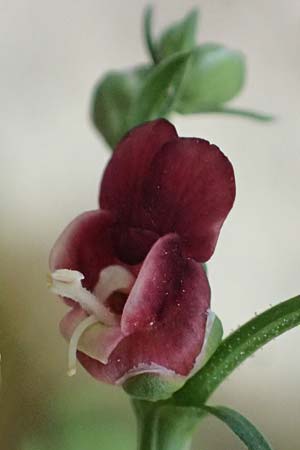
164, 426
240, 112
236, 348
112, 98
148, 33
241, 426
159, 91
179, 37
214, 76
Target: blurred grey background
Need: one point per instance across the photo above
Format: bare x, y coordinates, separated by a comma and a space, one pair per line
52, 53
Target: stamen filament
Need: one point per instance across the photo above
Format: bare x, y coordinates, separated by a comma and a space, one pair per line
79, 330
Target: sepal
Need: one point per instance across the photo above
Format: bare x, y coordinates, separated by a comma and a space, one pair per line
213, 338
152, 387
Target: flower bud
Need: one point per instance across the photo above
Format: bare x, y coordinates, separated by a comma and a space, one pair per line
214, 76
111, 101
179, 37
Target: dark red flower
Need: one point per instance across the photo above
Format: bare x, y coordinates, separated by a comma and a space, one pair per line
131, 271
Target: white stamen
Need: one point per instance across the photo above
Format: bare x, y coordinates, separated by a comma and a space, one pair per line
67, 283
79, 330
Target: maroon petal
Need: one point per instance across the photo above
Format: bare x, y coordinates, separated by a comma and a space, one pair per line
133, 244
190, 190
85, 245
171, 328
121, 188
154, 287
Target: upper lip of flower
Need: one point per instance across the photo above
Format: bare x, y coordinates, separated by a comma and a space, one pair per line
163, 201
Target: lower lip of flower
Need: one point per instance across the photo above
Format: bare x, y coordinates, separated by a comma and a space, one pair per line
112, 279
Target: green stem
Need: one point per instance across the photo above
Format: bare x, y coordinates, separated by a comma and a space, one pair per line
165, 427
145, 424
236, 348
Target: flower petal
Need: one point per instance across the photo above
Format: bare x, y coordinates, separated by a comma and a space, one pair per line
157, 183
190, 190
122, 183
155, 287
133, 244
86, 245
175, 338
